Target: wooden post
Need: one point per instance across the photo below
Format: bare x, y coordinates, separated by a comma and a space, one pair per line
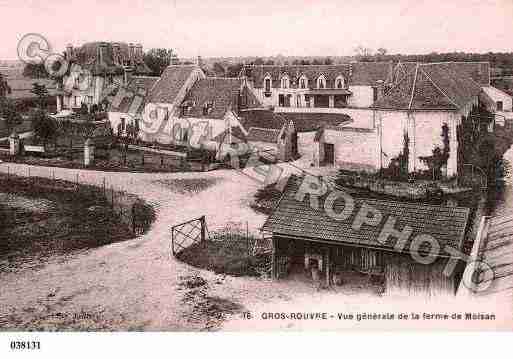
328, 265
203, 228
172, 241
273, 260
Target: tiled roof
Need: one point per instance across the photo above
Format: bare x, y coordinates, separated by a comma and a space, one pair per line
303, 121
269, 135
171, 82
477, 71
237, 136
137, 82
294, 218
431, 86
221, 93
369, 73
358, 73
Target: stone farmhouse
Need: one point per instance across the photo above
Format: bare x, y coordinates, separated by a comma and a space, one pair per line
353, 116
93, 68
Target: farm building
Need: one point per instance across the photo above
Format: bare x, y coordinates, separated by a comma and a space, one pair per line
301, 128
331, 235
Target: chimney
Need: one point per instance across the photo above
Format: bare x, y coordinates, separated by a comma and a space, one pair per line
128, 74
139, 51
116, 49
69, 51
131, 53
102, 52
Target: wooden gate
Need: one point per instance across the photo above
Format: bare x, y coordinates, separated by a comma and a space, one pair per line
187, 233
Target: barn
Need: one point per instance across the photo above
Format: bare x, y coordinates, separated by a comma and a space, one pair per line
325, 233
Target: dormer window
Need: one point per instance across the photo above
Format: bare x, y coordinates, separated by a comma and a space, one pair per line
208, 107
285, 82
340, 83
303, 82
321, 82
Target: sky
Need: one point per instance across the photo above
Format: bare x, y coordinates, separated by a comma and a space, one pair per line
264, 27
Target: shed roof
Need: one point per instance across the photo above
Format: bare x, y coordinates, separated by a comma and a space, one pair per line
295, 218
303, 121
269, 135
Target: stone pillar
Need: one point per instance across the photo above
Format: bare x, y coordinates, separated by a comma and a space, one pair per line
331, 101
88, 152
59, 103
14, 144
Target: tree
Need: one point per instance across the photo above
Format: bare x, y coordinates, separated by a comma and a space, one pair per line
328, 61
45, 127
4, 87
158, 59
234, 70
381, 51
35, 71
259, 61
9, 113
219, 69
363, 53
41, 92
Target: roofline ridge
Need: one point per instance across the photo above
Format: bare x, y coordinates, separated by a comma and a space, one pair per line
439, 89
413, 87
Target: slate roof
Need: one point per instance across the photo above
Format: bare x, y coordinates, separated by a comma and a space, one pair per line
294, 218
112, 60
269, 135
171, 82
431, 86
303, 121
221, 93
137, 83
357, 73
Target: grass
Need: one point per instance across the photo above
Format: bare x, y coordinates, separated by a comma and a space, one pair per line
266, 199
74, 218
189, 185
229, 255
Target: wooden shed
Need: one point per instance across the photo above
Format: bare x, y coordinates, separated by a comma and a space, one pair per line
408, 245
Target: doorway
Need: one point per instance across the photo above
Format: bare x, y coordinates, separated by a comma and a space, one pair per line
329, 154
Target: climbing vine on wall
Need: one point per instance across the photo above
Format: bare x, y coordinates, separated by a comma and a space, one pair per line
439, 157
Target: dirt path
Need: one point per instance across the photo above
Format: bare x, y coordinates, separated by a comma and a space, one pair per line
135, 284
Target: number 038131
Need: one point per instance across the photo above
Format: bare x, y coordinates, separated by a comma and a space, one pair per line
25, 345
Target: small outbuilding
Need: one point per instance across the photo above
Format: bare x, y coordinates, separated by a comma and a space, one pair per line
327, 234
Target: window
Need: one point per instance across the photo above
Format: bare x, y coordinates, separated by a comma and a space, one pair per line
321, 82
284, 82
374, 93
122, 125
281, 100
208, 107
500, 106
303, 82
340, 83
267, 86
